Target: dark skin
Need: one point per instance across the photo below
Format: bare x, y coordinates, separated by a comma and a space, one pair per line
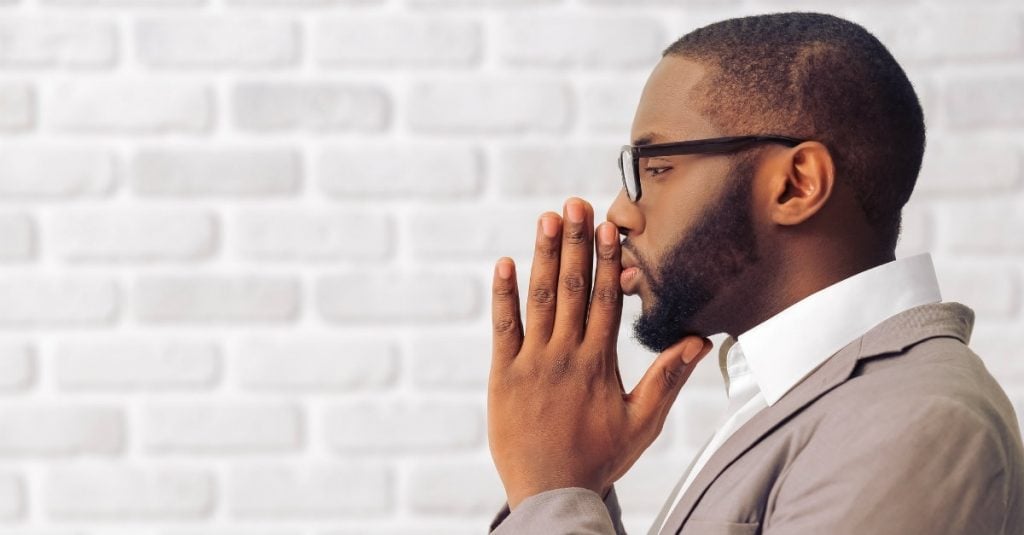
558, 414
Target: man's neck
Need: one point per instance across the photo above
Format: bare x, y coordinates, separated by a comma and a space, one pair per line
789, 283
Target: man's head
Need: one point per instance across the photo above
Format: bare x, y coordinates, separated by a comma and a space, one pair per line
723, 241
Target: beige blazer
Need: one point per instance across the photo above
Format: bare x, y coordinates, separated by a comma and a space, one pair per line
903, 431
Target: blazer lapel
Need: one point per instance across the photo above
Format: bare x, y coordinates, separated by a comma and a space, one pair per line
891, 336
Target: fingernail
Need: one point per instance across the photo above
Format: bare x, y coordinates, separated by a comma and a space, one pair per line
549, 226
609, 235
504, 269
574, 209
691, 350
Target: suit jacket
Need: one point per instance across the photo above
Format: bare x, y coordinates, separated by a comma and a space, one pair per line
902, 431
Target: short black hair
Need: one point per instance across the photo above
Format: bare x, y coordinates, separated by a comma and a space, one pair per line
817, 76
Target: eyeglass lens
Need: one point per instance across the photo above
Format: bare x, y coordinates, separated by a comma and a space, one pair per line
629, 179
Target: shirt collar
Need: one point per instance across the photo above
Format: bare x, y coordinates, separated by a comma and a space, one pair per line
788, 346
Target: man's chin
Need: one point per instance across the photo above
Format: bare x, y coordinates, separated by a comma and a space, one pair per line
659, 337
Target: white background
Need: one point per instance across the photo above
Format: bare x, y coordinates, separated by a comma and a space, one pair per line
246, 245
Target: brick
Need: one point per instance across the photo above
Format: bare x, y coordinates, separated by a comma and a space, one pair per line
966, 166
649, 483
605, 41
836, 7
338, 364
206, 299
302, 3
717, 15
451, 361
123, 492
943, 3
403, 171
998, 344
374, 427
12, 496
916, 230
33, 171
608, 107
57, 301
320, 489
1018, 404
488, 106
927, 85
17, 107
229, 531
43, 532
226, 171
454, 488
134, 234
51, 430
698, 410
397, 41
985, 226
993, 291
481, 3
222, 428
991, 100
17, 367
138, 3
140, 106
57, 42
479, 232
216, 42
136, 364
370, 295
19, 236
536, 170
316, 235
314, 106
946, 35
415, 527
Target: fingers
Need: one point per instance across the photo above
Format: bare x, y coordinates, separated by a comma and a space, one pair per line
661, 383
606, 301
575, 270
540, 304
508, 329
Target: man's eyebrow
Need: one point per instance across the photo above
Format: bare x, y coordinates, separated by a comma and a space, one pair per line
645, 139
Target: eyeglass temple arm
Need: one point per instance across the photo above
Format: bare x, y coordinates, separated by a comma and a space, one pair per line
718, 146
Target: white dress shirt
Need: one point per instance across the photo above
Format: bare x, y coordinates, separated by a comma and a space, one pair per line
762, 364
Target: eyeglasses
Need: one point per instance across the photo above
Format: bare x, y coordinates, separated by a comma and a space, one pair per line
629, 157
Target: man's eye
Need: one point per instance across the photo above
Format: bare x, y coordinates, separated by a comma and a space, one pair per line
655, 171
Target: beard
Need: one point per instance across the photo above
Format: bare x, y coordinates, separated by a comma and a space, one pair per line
699, 265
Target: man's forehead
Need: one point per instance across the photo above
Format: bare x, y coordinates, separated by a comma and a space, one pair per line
669, 108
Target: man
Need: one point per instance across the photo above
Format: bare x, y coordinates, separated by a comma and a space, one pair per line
771, 157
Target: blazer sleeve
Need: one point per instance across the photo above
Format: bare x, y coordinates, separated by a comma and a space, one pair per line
561, 512
916, 466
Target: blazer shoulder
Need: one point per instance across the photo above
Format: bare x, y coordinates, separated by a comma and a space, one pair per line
910, 370
939, 367
936, 384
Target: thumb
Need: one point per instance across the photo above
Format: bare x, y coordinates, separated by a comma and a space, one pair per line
661, 383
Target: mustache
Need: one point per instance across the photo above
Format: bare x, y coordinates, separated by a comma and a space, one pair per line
640, 259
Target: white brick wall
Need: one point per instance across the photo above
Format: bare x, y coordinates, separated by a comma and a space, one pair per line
245, 244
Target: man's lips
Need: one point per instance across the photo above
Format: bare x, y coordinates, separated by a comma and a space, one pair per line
630, 275
628, 280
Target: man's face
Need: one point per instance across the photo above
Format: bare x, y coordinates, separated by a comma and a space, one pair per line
691, 234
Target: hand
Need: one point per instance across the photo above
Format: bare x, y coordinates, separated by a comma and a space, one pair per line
558, 415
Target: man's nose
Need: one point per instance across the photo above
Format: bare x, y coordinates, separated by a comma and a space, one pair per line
625, 214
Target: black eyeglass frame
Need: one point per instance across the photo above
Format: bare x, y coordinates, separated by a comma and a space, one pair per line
717, 145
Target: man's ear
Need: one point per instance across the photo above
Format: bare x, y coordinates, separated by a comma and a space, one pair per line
802, 182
